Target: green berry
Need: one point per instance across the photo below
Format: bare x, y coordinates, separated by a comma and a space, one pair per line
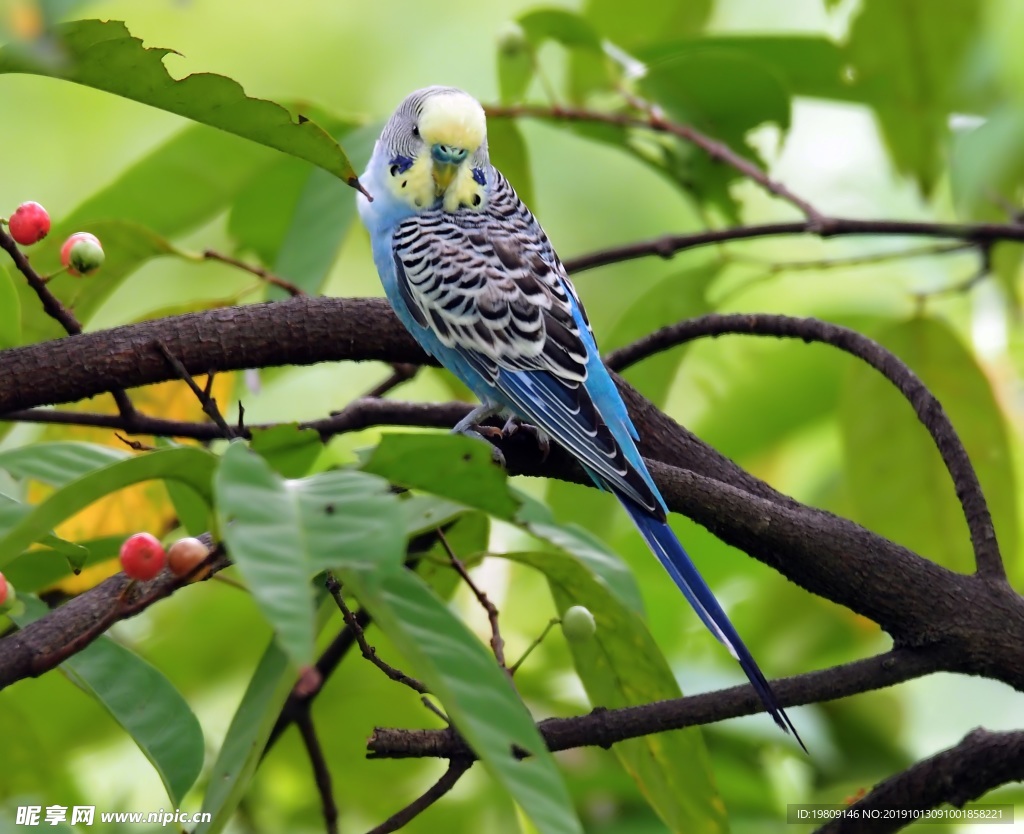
578, 624
82, 253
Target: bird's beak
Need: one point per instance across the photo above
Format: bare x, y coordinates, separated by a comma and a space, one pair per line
447, 160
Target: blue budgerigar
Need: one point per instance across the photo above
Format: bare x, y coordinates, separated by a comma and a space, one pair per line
474, 278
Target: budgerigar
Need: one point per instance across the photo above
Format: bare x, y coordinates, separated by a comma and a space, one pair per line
474, 278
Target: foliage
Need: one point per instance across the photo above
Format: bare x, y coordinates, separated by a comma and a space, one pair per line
887, 108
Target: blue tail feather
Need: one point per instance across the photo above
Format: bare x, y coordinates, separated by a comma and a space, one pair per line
664, 544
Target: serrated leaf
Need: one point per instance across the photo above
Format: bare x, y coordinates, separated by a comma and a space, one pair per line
189, 465
451, 466
622, 666
105, 56
142, 701
896, 479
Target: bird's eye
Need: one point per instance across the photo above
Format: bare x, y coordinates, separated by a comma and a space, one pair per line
415, 131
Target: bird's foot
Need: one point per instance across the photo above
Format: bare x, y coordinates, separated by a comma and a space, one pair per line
470, 427
514, 424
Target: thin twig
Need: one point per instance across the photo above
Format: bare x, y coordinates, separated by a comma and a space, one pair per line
326, 664
258, 271
56, 310
866, 259
536, 642
656, 121
51, 304
456, 768
497, 644
208, 403
321, 773
928, 409
401, 372
369, 652
667, 246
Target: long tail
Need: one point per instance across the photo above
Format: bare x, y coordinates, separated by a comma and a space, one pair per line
670, 553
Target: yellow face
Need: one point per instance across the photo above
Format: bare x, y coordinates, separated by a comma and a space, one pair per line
453, 119
456, 122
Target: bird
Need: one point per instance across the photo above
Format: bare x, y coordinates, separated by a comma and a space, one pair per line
474, 278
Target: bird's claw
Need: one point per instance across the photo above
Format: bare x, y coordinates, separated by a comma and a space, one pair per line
514, 424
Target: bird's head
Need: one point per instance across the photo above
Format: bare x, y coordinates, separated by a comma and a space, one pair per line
435, 147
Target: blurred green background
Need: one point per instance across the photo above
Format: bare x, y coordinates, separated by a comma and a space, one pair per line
872, 109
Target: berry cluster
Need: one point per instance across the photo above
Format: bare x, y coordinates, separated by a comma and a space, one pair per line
143, 557
81, 253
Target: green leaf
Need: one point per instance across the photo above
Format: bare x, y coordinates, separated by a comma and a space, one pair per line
807, 65
250, 728
455, 467
896, 479
679, 296
246, 738
622, 666
289, 450
57, 464
723, 93
281, 533
518, 48
105, 56
639, 23
428, 512
907, 56
593, 555
196, 173
142, 701
475, 693
10, 310
508, 153
193, 467
42, 567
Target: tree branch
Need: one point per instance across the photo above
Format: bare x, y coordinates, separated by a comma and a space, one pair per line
605, 727
982, 761
667, 246
655, 120
456, 768
979, 626
927, 408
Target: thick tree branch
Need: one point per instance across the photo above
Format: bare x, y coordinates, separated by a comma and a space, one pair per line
927, 408
980, 626
982, 761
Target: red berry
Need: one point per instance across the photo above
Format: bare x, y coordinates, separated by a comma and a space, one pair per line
81, 253
29, 224
3, 589
185, 554
142, 556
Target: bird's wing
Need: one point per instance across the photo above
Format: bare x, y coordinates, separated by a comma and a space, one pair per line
490, 287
